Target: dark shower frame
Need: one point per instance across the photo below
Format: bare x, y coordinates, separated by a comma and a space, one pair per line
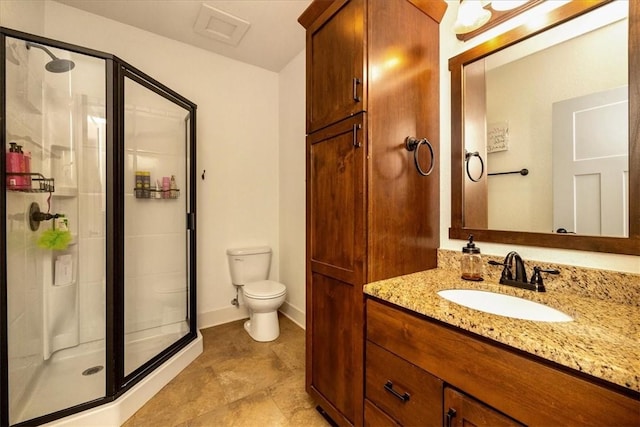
116, 382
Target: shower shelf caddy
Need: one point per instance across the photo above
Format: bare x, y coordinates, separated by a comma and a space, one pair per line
46, 185
153, 194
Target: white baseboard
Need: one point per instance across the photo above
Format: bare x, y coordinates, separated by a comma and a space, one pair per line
296, 315
222, 315
231, 314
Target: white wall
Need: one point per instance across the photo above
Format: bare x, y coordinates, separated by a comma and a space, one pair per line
450, 46
292, 186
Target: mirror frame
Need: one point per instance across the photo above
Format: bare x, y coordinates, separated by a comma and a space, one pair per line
619, 245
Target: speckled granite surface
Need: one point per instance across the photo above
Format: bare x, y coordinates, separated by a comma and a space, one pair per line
603, 340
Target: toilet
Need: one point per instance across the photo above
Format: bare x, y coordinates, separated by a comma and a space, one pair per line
249, 268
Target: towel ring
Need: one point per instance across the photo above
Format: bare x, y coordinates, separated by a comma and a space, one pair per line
467, 158
414, 144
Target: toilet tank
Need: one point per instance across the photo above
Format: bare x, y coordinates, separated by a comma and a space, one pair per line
249, 264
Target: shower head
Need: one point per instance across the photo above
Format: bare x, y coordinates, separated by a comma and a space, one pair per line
56, 65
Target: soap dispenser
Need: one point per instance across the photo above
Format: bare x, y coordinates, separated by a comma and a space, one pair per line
471, 262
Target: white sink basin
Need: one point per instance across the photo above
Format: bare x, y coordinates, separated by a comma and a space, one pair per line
504, 305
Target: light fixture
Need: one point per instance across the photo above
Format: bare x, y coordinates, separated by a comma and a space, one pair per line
501, 5
471, 16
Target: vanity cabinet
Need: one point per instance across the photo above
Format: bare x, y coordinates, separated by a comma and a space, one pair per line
486, 384
372, 81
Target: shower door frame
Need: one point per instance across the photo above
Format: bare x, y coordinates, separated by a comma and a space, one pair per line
116, 383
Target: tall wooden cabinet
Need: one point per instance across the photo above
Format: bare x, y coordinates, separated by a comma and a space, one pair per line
372, 81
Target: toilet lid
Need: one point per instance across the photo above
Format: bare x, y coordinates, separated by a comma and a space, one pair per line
264, 289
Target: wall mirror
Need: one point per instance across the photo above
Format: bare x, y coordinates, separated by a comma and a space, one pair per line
545, 129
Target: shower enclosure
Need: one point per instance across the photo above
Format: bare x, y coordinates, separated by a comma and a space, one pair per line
98, 241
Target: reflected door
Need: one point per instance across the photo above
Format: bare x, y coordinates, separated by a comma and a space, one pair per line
156, 131
591, 164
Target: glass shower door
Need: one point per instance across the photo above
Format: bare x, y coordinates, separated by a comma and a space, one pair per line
97, 259
55, 228
156, 142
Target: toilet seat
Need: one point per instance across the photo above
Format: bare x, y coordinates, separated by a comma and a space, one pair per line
264, 289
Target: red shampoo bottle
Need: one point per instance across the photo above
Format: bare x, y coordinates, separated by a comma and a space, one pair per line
14, 161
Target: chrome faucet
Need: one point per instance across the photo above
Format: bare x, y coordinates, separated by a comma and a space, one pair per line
520, 280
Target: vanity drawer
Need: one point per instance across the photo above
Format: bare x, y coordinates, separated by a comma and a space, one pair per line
375, 417
405, 392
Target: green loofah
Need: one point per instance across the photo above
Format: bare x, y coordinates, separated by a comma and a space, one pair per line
55, 239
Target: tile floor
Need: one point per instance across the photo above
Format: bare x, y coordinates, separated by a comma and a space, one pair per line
237, 382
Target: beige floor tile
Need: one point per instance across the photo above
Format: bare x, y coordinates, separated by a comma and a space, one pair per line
240, 378
307, 418
189, 395
291, 351
257, 410
237, 382
290, 396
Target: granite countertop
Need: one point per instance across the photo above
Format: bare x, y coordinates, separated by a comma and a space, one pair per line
603, 340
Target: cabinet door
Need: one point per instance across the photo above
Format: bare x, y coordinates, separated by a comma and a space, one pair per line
335, 200
335, 245
335, 64
461, 410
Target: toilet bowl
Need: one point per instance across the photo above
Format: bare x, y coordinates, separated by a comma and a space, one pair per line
263, 299
249, 268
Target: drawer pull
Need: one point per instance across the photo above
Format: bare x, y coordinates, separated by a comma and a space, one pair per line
403, 397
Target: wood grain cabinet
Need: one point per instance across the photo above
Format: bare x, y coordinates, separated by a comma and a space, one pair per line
335, 271
335, 65
461, 410
372, 80
408, 394
463, 380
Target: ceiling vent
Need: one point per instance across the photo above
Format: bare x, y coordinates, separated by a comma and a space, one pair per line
219, 25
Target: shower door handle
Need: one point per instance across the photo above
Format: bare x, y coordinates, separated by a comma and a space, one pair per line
191, 221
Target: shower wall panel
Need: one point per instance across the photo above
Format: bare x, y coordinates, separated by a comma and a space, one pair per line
91, 231
155, 263
60, 160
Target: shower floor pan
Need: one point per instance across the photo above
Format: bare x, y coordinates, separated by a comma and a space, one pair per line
62, 384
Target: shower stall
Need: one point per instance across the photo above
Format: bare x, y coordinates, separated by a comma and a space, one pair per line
98, 242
